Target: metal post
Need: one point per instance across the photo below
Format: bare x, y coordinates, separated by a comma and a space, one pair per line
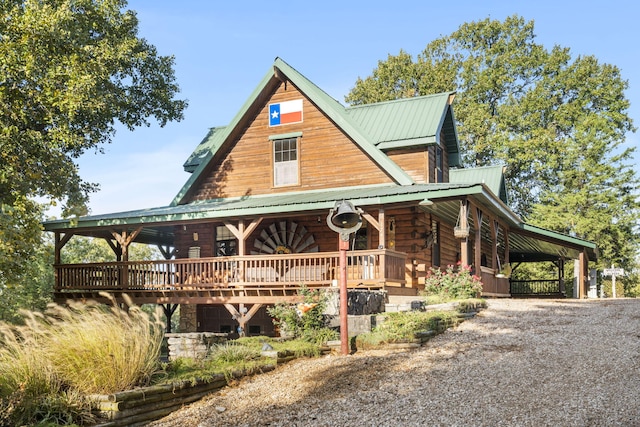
344, 306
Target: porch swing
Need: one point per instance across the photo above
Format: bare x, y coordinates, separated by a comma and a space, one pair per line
461, 231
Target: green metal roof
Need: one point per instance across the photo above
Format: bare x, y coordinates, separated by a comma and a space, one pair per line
409, 122
374, 127
197, 162
527, 241
492, 176
209, 144
260, 205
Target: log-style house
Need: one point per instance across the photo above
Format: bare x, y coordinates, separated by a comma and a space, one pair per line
249, 226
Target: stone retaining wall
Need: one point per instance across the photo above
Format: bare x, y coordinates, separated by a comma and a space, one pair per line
193, 345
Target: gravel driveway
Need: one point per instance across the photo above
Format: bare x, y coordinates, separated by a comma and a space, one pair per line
517, 363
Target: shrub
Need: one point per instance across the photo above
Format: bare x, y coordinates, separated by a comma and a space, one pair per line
455, 282
402, 327
304, 320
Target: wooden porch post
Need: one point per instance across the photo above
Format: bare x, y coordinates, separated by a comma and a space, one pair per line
242, 318
494, 250
561, 275
464, 223
124, 239
477, 253
583, 260
59, 242
166, 251
382, 229
241, 232
168, 309
506, 246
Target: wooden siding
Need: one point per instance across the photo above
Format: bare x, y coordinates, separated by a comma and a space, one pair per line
327, 158
413, 162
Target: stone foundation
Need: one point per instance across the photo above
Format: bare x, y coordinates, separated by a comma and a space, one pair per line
188, 318
194, 345
360, 302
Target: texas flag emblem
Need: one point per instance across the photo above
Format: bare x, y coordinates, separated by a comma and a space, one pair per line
285, 113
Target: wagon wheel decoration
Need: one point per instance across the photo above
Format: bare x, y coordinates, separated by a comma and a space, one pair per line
284, 237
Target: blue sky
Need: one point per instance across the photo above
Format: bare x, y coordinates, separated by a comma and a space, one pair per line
223, 49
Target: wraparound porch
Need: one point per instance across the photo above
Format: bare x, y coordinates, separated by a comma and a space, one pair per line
250, 279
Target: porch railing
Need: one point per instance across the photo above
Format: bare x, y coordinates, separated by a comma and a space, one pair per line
536, 287
492, 284
312, 269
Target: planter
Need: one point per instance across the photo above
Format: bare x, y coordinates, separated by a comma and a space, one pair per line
461, 233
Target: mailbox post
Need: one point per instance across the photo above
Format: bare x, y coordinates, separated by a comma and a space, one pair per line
613, 272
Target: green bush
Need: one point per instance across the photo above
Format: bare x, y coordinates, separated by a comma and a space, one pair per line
305, 320
403, 327
455, 282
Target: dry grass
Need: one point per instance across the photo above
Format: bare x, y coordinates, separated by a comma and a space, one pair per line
73, 351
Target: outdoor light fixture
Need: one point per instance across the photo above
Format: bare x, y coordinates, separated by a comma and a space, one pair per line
344, 219
426, 202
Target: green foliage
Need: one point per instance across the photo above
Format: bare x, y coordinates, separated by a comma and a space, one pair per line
31, 287
238, 355
51, 362
452, 283
69, 71
303, 320
403, 327
231, 352
559, 124
81, 250
471, 305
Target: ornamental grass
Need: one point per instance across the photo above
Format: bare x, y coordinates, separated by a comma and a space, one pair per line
51, 362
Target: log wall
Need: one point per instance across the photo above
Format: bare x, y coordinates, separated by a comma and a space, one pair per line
327, 158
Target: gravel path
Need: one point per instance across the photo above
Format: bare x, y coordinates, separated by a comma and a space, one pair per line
517, 363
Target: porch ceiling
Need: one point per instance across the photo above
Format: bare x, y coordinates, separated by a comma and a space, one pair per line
527, 243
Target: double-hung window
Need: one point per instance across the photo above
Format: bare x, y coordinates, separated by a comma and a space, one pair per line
285, 161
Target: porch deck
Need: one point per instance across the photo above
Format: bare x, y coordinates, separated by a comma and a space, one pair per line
237, 279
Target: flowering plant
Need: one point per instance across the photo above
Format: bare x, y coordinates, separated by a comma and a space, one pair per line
455, 282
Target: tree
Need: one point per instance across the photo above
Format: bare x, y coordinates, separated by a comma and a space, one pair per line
558, 124
69, 71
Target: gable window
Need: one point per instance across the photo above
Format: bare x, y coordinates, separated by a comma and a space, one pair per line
285, 161
439, 165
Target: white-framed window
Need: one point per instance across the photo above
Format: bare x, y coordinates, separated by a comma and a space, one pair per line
285, 162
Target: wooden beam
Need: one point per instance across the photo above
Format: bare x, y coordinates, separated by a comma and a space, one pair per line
242, 318
167, 252
125, 239
477, 219
241, 232
371, 220
494, 243
115, 247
